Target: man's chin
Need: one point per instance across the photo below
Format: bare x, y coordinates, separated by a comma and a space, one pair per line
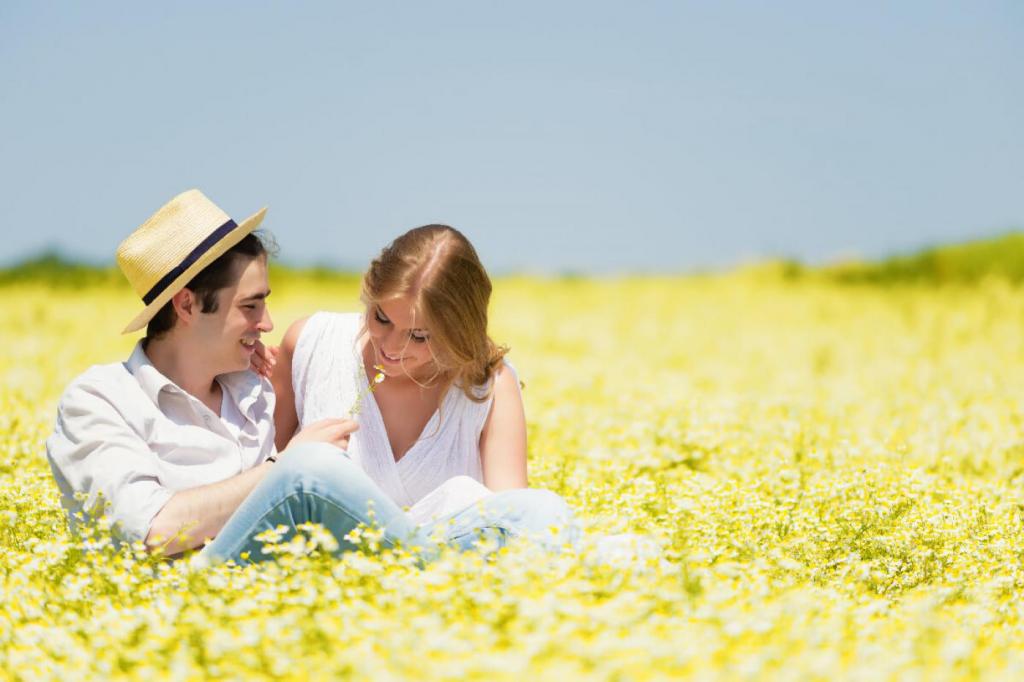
237, 365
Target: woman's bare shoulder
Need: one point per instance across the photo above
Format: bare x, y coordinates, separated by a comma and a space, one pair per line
291, 336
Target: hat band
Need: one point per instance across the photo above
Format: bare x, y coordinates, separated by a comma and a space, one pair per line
191, 258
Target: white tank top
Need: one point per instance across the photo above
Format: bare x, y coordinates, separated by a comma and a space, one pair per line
327, 375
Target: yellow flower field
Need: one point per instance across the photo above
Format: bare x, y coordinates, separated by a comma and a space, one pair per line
834, 473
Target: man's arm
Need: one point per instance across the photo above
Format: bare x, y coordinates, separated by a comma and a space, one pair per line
101, 457
98, 458
192, 516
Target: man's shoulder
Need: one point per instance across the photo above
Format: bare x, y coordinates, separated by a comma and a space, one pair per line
100, 393
109, 379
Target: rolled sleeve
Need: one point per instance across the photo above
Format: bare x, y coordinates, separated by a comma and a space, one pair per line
95, 454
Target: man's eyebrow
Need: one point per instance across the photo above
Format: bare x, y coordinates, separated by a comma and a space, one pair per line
257, 297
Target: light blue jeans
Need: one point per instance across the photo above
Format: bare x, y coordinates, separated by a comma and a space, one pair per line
318, 483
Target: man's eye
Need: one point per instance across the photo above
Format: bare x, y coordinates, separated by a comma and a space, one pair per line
249, 306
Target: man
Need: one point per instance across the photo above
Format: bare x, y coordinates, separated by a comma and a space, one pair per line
177, 443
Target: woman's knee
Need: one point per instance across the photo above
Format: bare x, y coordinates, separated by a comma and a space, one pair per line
311, 451
321, 482
311, 466
541, 506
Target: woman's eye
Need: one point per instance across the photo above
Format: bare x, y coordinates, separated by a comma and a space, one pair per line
380, 317
418, 339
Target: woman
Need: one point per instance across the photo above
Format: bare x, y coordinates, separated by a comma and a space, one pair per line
441, 425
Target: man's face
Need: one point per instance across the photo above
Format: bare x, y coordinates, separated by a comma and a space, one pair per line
227, 334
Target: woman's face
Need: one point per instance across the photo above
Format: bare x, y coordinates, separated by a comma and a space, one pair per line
399, 344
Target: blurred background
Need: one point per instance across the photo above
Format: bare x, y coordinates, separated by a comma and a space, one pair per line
574, 137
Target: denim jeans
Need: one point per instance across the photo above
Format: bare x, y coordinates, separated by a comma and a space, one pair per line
318, 483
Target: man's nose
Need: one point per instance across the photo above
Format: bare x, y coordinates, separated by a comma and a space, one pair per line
266, 324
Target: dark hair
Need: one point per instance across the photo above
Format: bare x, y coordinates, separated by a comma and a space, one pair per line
211, 279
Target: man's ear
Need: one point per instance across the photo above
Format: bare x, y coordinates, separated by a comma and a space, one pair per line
186, 305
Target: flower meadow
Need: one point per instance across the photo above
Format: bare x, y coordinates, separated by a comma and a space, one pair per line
833, 473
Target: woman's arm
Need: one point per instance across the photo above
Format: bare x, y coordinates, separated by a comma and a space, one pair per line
286, 419
503, 439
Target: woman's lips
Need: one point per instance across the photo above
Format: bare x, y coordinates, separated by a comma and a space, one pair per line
390, 360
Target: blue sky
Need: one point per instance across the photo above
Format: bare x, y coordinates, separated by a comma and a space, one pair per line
593, 136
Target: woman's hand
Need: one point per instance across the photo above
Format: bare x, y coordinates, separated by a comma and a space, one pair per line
264, 358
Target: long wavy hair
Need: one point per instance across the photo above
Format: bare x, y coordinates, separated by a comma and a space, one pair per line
439, 270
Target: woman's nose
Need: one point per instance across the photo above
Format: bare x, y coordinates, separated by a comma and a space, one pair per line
391, 343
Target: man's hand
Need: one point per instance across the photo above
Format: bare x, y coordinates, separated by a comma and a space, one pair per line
264, 358
333, 431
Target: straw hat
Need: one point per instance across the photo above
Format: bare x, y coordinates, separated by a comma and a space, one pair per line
163, 255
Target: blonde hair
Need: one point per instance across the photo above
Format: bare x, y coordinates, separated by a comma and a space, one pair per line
437, 267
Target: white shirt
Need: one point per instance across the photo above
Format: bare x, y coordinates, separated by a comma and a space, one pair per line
127, 433
231, 416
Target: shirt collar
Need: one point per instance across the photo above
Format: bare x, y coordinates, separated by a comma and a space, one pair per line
243, 387
148, 376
